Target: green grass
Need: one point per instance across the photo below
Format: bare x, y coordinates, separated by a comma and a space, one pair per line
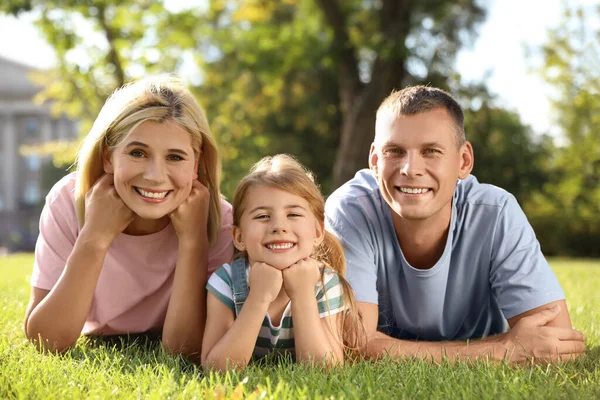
139, 369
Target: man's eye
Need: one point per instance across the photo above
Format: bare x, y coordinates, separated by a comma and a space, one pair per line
393, 151
431, 151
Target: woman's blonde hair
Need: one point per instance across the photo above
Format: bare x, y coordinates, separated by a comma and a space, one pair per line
284, 172
159, 98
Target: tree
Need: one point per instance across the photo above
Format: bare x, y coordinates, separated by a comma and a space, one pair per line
569, 205
385, 45
297, 76
100, 45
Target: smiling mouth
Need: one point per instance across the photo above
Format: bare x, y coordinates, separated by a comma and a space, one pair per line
152, 195
280, 246
408, 190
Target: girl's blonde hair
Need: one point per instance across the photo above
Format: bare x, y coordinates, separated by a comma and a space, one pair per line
285, 173
159, 98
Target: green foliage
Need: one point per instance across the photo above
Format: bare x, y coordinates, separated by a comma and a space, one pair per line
269, 86
122, 368
568, 208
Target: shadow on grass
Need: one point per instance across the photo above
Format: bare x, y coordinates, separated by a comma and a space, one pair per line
130, 352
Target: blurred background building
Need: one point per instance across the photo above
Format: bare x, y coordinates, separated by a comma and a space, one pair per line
23, 122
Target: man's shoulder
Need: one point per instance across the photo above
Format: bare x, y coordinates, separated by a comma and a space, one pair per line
470, 192
359, 198
362, 185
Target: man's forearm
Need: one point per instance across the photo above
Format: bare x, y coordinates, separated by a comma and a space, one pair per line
491, 348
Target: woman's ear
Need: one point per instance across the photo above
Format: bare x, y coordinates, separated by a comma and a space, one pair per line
238, 242
107, 162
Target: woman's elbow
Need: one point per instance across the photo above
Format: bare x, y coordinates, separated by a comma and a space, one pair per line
43, 343
186, 348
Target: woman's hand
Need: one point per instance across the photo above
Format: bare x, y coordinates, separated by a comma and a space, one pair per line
301, 278
105, 213
265, 281
190, 218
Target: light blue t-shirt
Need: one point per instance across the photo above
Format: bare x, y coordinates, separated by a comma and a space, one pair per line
491, 269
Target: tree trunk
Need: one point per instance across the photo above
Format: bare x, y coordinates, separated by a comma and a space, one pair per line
360, 101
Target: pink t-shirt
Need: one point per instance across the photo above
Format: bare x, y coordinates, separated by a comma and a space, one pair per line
135, 283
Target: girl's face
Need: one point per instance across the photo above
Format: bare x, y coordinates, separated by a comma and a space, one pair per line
153, 169
276, 227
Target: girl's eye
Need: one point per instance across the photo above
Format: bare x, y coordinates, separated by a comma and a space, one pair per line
261, 216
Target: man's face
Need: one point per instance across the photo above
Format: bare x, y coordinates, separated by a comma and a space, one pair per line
416, 161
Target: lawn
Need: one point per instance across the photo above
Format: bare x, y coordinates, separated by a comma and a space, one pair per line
139, 369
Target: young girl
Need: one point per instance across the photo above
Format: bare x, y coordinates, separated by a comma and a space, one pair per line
127, 241
288, 266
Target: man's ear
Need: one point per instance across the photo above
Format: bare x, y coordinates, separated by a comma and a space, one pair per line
238, 242
107, 162
467, 160
373, 159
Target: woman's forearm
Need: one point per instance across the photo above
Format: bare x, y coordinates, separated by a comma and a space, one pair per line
186, 314
56, 322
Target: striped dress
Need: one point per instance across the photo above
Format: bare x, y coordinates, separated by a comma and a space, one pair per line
279, 339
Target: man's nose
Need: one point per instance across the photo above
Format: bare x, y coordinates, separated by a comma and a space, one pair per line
413, 165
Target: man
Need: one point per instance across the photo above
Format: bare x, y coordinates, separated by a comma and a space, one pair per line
436, 258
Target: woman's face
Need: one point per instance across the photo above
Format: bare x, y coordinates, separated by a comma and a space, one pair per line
153, 168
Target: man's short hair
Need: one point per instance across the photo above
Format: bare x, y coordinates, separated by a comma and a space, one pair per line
418, 99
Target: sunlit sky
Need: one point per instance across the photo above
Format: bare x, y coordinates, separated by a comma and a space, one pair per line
498, 52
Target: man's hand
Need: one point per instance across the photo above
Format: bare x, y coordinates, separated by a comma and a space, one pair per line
532, 339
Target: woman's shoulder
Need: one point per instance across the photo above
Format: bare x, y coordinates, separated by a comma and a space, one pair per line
63, 190
226, 207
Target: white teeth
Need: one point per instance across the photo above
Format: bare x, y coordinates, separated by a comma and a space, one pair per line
413, 190
152, 195
280, 246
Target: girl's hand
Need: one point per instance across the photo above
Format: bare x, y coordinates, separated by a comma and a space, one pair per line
265, 281
105, 213
190, 218
301, 278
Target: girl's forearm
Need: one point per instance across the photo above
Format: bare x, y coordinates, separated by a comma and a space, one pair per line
56, 322
312, 340
235, 348
186, 314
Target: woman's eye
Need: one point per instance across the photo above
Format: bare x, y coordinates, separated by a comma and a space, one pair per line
294, 215
136, 153
174, 157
